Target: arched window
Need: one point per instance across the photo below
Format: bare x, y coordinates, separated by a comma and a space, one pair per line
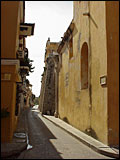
84, 66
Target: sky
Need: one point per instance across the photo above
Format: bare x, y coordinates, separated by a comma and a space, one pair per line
51, 19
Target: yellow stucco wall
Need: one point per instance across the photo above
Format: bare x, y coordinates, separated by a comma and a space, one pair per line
112, 21
11, 16
10, 22
8, 125
98, 51
92, 107
8, 99
74, 102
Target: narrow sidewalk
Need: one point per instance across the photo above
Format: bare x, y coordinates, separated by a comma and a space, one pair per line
84, 138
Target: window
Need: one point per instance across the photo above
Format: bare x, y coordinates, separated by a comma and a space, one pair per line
84, 66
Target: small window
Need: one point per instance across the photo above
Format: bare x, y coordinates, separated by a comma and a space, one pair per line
71, 48
84, 66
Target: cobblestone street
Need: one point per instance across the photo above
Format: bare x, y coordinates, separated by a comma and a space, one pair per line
48, 141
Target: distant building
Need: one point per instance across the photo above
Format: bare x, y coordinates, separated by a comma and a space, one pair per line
28, 96
48, 94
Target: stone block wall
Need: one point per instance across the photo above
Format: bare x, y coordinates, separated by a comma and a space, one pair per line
49, 89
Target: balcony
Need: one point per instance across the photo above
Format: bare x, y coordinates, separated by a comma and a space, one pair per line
26, 29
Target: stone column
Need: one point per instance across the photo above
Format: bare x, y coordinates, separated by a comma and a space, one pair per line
56, 93
42, 90
56, 85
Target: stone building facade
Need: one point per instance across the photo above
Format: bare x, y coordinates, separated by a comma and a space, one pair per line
49, 85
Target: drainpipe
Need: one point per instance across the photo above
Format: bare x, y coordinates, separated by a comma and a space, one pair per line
90, 86
90, 61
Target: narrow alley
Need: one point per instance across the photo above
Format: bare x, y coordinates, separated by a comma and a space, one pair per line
48, 141
59, 79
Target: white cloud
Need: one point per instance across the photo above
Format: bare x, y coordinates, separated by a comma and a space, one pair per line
51, 19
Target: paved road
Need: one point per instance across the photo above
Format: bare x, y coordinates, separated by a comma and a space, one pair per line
51, 142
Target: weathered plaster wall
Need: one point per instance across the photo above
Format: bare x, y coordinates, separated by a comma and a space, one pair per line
74, 102
88, 108
10, 21
98, 51
8, 124
82, 100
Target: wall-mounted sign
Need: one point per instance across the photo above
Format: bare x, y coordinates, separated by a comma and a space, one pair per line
103, 80
27, 29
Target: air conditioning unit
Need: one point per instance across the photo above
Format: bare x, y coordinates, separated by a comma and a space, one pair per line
20, 54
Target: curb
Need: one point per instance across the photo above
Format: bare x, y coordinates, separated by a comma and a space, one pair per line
104, 151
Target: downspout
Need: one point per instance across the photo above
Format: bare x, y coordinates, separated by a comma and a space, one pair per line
90, 61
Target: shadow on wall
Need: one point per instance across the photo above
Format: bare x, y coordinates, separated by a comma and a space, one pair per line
91, 132
88, 131
65, 120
